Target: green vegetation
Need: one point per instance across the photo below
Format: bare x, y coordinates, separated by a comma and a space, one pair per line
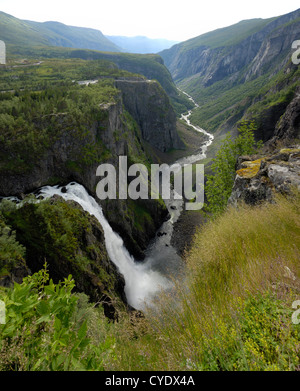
222, 71
11, 251
220, 105
45, 103
37, 75
219, 185
47, 328
232, 311
59, 232
148, 65
15, 30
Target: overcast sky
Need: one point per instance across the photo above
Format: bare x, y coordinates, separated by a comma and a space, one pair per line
171, 19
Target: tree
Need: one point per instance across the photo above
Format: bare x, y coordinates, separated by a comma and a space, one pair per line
219, 185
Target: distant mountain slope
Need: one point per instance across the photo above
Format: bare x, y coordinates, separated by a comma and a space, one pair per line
76, 37
141, 44
241, 71
23, 32
16, 31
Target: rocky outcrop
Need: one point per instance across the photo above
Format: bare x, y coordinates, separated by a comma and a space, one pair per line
112, 135
259, 178
71, 241
288, 127
149, 105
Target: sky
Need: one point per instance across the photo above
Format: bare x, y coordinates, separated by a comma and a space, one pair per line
170, 19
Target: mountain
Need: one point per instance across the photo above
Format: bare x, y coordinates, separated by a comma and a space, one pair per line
56, 40
241, 71
140, 44
28, 33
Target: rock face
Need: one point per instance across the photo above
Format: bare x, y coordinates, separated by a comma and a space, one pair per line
210, 58
111, 136
146, 101
244, 71
258, 178
288, 127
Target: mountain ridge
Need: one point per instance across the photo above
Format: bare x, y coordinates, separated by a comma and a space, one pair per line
55, 33
249, 75
29, 33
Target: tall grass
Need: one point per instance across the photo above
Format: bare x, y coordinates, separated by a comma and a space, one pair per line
233, 309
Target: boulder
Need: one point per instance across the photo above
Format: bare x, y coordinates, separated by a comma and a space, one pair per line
258, 179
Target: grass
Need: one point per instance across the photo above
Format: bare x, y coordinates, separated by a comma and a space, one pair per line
233, 309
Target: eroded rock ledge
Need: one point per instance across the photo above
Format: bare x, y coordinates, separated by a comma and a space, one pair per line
259, 178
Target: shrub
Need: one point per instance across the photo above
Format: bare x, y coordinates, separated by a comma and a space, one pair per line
43, 330
219, 185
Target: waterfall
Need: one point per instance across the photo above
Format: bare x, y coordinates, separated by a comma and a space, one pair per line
142, 282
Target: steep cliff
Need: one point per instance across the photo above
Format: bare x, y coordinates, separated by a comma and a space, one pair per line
146, 101
251, 47
63, 133
288, 126
64, 160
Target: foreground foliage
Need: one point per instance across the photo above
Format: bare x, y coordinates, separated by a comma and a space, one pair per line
46, 329
232, 311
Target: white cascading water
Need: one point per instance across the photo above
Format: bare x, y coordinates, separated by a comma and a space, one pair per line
141, 282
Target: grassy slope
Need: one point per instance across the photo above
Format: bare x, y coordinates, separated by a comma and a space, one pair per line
233, 310
21, 32
16, 31
222, 37
59, 34
227, 36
